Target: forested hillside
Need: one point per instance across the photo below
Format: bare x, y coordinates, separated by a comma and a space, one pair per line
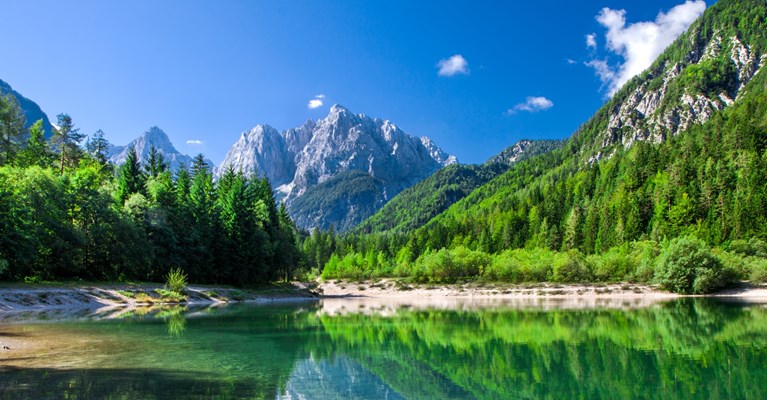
679, 152
66, 213
423, 201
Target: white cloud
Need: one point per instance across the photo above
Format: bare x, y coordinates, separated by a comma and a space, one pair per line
319, 96
602, 69
453, 66
591, 40
194, 142
314, 103
532, 104
571, 61
640, 43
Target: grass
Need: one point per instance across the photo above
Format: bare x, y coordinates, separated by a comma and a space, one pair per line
170, 296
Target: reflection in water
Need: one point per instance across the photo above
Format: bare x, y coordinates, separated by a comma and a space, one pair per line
175, 321
677, 349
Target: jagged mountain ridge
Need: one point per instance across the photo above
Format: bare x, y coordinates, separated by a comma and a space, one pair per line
156, 137
32, 111
302, 158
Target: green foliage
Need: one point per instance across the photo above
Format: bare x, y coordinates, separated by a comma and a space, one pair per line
617, 209
416, 205
176, 280
11, 128
448, 266
687, 266
171, 296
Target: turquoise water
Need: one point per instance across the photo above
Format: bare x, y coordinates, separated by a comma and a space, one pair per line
675, 350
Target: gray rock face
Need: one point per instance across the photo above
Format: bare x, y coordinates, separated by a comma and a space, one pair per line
304, 157
154, 136
655, 109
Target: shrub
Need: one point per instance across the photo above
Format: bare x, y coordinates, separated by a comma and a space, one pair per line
521, 265
758, 269
450, 265
687, 266
176, 280
570, 267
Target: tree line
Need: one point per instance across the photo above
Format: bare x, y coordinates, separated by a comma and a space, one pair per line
67, 213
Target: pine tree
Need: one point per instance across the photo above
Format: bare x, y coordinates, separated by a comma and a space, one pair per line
67, 140
98, 146
155, 162
11, 128
130, 178
36, 151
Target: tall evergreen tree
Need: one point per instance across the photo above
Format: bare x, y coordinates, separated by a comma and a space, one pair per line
36, 151
155, 163
130, 178
67, 140
98, 146
11, 128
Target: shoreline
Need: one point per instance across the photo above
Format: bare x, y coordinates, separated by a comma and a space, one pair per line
111, 300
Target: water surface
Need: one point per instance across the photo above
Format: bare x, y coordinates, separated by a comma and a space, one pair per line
678, 349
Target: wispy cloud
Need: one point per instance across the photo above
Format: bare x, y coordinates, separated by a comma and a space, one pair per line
591, 40
455, 65
571, 61
531, 104
194, 142
316, 102
640, 43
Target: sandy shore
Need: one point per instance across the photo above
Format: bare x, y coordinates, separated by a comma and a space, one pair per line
113, 300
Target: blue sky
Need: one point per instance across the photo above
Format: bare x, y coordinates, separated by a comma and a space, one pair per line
474, 76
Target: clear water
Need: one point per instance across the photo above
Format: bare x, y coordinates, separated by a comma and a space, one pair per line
674, 350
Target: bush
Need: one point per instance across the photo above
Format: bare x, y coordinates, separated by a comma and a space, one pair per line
758, 271
176, 280
449, 265
521, 265
687, 266
570, 267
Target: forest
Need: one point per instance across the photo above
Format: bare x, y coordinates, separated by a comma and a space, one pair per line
68, 214
692, 208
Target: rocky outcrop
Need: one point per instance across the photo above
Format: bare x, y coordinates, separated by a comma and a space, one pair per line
664, 105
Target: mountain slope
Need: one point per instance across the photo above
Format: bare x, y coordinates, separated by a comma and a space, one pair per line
629, 179
678, 166
32, 112
313, 160
154, 136
419, 203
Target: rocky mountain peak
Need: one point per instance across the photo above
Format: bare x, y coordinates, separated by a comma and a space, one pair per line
306, 156
156, 137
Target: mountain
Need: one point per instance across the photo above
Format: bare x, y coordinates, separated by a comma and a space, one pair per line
32, 112
419, 203
680, 150
153, 136
314, 160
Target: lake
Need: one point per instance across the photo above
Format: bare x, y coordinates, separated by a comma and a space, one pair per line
340, 349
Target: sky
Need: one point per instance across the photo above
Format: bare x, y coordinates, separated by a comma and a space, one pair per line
474, 76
